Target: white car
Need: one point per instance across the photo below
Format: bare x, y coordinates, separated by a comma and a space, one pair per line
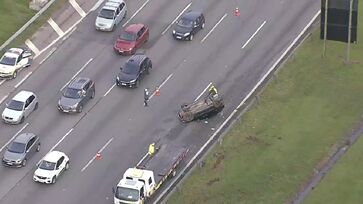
51, 167
20, 107
111, 15
13, 61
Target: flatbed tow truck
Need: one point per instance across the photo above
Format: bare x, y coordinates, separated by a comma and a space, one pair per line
139, 183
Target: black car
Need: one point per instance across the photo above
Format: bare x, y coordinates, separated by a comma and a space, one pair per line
134, 69
188, 25
76, 95
21, 149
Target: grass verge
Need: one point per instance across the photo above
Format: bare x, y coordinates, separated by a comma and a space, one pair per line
344, 183
14, 14
271, 152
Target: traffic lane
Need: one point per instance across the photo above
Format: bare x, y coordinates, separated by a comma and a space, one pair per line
7, 86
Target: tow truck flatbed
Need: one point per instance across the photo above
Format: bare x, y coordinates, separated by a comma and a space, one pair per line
164, 162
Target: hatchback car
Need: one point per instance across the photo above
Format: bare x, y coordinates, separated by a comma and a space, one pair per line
133, 70
188, 25
132, 38
51, 167
76, 95
111, 15
20, 107
13, 61
21, 149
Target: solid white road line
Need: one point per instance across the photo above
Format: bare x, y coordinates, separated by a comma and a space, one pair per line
203, 91
273, 67
161, 85
181, 13
258, 29
55, 27
3, 99
77, 8
214, 27
109, 90
16, 134
94, 157
79, 71
48, 55
98, 4
31, 46
64, 137
2, 81
138, 10
20, 82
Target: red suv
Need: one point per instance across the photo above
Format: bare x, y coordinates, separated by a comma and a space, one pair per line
133, 37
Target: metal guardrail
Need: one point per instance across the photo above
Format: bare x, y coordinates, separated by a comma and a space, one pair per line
27, 24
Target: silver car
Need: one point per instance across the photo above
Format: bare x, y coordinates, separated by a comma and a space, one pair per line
21, 149
111, 15
20, 107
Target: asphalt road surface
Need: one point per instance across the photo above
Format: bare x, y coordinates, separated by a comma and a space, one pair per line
232, 52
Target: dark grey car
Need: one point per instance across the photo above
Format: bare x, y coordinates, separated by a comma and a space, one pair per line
21, 149
76, 95
188, 25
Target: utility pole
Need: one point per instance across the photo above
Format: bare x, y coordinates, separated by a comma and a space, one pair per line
349, 31
325, 26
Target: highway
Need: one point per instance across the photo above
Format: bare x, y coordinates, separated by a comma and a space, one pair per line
233, 52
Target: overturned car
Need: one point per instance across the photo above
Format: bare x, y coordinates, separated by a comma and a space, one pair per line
203, 108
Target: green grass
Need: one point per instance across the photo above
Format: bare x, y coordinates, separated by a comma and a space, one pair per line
344, 184
15, 13
271, 152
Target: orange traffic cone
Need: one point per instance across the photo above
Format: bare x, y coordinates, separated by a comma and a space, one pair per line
237, 12
157, 91
98, 156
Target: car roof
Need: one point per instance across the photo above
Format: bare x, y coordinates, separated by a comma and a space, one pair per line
192, 15
133, 28
136, 59
24, 137
53, 156
78, 82
22, 95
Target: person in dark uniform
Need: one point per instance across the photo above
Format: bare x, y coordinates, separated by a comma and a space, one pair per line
146, 96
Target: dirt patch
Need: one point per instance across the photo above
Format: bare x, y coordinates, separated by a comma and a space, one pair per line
255, 140
219, 158
210, 182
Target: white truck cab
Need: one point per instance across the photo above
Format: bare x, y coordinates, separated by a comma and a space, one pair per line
135, 185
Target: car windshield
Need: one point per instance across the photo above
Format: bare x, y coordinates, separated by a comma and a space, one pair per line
106, 13
127, 194
131, 69
46, 165
128, 36
185, 23
15, 105
72, 93
17, 147
8, 60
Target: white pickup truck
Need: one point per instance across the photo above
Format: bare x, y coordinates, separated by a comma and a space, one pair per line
141, 182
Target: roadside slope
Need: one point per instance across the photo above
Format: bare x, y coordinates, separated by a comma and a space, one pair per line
272, 151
